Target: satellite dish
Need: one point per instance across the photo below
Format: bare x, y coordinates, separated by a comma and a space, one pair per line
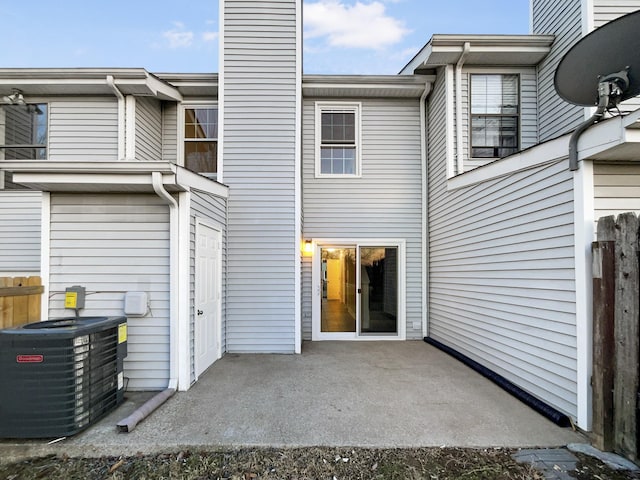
605, 62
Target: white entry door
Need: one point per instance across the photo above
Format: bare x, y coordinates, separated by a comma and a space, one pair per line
208, 293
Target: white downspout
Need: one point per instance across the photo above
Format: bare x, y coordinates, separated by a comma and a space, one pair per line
459, 142
129, 423
425, 207
121, 117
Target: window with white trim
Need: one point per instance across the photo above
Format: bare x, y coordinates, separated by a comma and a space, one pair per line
338, 139
201, 139
495, 115
23, 132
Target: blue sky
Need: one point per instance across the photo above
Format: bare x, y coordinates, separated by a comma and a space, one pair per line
341, 36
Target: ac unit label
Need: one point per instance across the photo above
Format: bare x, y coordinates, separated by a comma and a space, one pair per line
30, 358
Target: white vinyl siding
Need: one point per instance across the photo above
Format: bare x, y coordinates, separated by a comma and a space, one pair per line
83, 129
528, 110
258, 81
170, 132
501, 271
148, 129
307, 300
386, 202
616, 189
209, 207
562, 18
607, 10
20, 213
111, 244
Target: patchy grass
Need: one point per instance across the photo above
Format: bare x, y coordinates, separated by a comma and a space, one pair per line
296, 464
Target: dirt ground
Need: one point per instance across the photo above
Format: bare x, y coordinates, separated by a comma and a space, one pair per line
299, 464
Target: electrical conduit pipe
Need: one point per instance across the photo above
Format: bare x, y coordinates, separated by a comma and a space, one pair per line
129, 423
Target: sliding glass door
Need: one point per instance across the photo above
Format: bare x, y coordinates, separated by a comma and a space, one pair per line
338, 290
358, 286
378, 290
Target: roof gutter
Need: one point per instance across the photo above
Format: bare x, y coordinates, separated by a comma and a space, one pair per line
121, 116
459, 143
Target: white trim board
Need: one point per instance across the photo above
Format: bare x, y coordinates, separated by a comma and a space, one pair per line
45, 253
298, 185
183, 251
584, 229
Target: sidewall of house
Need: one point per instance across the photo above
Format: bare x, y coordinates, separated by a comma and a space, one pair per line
385, 202
83, 128
502, 284
260, 164
112, 244
148, 129
20, 212
616, 189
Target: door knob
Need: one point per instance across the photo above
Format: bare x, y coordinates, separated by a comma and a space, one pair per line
200, 312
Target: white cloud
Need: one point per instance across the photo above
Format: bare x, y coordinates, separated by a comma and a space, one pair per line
354, 26
209, 36
178, 37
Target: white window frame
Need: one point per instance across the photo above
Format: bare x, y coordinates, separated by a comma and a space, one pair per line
338, 107
181, 137
470, 113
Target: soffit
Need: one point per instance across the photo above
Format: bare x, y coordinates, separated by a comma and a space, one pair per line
201, 85
489, 50
35, 82
355, 86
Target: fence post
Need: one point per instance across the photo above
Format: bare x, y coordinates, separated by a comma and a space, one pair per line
34, 304
627, 316
6, 304
603, 334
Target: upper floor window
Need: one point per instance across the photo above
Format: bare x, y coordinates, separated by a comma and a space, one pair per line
337, 139
201, 139
23, 132
495, 111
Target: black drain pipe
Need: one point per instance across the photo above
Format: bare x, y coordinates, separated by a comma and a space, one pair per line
539, 406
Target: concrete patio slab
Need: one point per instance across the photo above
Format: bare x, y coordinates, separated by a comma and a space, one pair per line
370, 394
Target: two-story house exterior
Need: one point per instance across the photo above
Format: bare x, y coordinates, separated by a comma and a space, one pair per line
261, 207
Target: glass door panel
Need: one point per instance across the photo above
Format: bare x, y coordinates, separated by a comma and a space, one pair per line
378, 290
338, 302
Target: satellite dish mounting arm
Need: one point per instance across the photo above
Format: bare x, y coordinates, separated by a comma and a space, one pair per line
610, 92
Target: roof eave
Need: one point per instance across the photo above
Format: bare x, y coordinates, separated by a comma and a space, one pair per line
489, 50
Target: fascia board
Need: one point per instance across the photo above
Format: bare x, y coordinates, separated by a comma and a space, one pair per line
70, 166
74, 174
77, 182
198, 182
616, 138
446, 49
548, 152
79, 81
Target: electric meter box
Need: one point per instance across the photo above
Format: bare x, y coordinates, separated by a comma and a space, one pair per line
74, 297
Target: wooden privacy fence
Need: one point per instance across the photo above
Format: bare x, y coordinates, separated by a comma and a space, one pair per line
616, 335
19, 300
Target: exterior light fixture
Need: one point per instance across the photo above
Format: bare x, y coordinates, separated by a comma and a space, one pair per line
308, 247
15, 98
